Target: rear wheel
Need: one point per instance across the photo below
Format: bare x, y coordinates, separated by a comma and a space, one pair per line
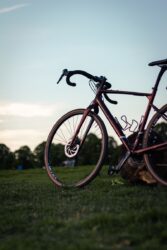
74, 158
156, 133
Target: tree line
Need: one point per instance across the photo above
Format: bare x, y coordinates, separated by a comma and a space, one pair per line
25, 158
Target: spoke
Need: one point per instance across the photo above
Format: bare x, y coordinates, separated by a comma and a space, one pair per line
70, 126
61, 141
97, 130
67, 127
62, 136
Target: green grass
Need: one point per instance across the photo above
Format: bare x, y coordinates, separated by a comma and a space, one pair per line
107, 214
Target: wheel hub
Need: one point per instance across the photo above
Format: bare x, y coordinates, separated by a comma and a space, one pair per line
71, 150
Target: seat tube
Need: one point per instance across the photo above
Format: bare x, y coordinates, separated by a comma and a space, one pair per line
152, 97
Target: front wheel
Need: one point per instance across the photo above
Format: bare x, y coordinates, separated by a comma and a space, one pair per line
155, 134
73, 157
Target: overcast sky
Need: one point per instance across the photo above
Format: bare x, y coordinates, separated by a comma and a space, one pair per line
39, 38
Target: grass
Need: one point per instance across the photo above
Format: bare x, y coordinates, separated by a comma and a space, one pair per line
107, 214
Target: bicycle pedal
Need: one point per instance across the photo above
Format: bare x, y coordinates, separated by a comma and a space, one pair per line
112, 170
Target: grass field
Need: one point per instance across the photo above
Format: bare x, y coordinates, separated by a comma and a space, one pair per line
107, 214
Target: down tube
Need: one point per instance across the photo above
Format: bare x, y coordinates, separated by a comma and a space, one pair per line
114, 124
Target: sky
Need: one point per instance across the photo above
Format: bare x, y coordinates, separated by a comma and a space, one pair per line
39, 38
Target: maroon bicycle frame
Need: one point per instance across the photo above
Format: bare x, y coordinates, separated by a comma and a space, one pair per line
116, 126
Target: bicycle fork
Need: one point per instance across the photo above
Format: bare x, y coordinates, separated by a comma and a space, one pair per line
75, 138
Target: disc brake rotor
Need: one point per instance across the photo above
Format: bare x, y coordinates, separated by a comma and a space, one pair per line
71, 150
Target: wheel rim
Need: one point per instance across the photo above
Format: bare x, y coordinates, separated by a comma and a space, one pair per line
157, 160
76, 164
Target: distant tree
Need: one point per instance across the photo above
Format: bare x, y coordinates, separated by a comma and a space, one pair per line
24, 157
59, 148
56, 154
113, 152
90, 150
39, 155
7, 159
161, 130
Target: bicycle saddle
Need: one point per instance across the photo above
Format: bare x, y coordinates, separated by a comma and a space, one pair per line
159, 63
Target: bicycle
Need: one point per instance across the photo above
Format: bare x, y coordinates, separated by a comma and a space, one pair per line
65, 159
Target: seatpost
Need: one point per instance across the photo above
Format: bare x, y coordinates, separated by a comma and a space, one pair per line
161, 72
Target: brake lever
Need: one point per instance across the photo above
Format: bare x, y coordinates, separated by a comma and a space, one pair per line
64, 73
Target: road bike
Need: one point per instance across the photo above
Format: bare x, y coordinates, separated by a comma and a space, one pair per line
69, 158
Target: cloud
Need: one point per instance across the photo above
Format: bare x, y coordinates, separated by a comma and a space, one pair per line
16, 138
15, 131
28, 110
12, 8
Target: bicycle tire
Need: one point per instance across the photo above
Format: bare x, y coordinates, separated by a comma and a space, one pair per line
156, 133
83, 170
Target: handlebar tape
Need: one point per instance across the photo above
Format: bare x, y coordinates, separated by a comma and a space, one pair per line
89, 76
